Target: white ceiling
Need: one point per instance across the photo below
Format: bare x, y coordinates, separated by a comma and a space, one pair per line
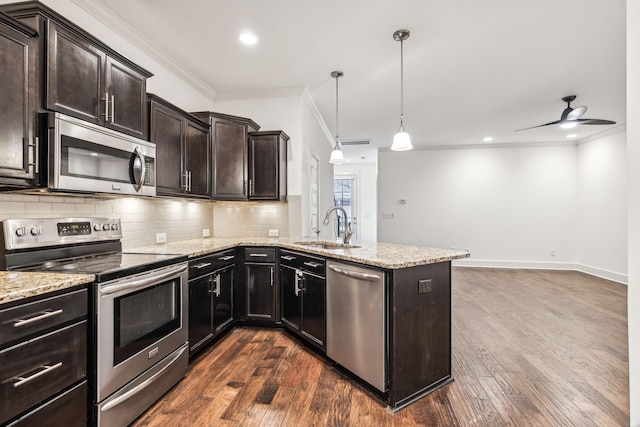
472, 68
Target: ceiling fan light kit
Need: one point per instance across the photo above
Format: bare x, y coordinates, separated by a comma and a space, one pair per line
401, 140
572, 117
337, 156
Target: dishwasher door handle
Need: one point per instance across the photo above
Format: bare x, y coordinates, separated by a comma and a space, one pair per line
355, 274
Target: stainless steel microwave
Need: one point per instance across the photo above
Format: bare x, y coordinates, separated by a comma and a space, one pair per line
84, 157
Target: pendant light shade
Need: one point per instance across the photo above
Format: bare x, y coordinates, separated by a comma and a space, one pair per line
401, 140
337, 156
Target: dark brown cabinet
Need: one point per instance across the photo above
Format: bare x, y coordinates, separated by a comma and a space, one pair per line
303, 302
260, 284
268, 165
84, 78
229, 154
211, 281
17, 104
182, 150
43, 353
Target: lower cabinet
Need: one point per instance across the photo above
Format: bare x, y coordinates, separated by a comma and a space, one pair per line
260, 281
303, 286
211, 280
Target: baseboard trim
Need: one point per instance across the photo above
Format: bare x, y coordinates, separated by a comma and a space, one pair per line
535, 265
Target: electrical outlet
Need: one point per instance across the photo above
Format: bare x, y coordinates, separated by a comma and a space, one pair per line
161, 238
388, 215
424, 286
206, 232
274, 233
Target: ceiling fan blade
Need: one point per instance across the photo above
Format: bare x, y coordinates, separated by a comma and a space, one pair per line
595, 122
576, 113
539, 126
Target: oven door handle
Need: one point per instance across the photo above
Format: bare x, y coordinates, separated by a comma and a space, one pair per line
137, 389
141, 283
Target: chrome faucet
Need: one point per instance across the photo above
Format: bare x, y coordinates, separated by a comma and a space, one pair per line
347, 231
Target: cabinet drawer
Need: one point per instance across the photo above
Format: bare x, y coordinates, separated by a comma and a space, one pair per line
303, 262
260, 254
32, 371
69, 410
27, 319
209, 263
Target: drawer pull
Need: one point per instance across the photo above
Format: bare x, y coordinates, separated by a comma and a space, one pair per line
259, 255
45, 369
288, 257
312, 264
203, 265
34, 319
226, 258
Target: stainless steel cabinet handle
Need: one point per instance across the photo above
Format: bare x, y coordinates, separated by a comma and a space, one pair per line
189, 181
312, 264
217, 282
45, 370
259, 255
272, 276
113, 109
203, 265
106, 106
250, 188
288, 258
296, 289
47, 314
226, 258
355, 274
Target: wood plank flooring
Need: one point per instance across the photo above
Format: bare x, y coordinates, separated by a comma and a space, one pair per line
530, 348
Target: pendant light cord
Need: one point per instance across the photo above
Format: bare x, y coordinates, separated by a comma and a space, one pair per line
401, 84
337, 120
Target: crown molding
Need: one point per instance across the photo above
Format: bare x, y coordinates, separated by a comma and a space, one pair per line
100, 11
313, 109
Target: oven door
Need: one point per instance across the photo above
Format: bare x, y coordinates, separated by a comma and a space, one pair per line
140, 320
89, 158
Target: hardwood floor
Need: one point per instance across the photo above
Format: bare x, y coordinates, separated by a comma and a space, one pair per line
530, 348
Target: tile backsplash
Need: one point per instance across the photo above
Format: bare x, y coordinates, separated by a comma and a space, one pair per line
255, 219
141, 218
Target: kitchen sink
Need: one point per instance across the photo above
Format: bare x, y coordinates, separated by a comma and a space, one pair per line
327, 245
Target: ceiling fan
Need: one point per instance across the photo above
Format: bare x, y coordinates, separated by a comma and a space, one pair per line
571, 117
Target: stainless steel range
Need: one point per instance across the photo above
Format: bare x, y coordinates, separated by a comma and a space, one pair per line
140, 304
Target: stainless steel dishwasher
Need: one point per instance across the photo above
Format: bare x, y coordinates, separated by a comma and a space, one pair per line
356, 313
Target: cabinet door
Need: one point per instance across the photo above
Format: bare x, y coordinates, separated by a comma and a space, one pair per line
166, 133
75, 84
200, 314
313, 309
127, 91
263, 169
291, 298
17, 79
223, 299
196, 153
260, 284
229, 160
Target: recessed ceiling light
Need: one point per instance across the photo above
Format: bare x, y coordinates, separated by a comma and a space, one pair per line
248, 38
487, 139
571, 135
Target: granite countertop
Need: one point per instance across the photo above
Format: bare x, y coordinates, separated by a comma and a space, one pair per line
16, 285
383, 255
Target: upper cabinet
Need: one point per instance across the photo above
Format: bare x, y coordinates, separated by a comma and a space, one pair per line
83, 77
182, 150
268, 165
18, 87
229, 154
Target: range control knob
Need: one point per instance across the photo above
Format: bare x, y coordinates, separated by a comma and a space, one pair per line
105, 227
114, 226
21, 231
36, 230
97, 227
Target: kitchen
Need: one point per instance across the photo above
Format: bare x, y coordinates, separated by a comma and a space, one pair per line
278, 112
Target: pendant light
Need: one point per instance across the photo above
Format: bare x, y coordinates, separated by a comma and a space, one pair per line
401, 140
337, 156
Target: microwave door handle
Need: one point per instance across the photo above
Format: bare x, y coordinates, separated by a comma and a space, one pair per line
139, 156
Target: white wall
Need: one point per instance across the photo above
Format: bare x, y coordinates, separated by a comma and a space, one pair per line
508, 206
602, 207
633, 162
367, 197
